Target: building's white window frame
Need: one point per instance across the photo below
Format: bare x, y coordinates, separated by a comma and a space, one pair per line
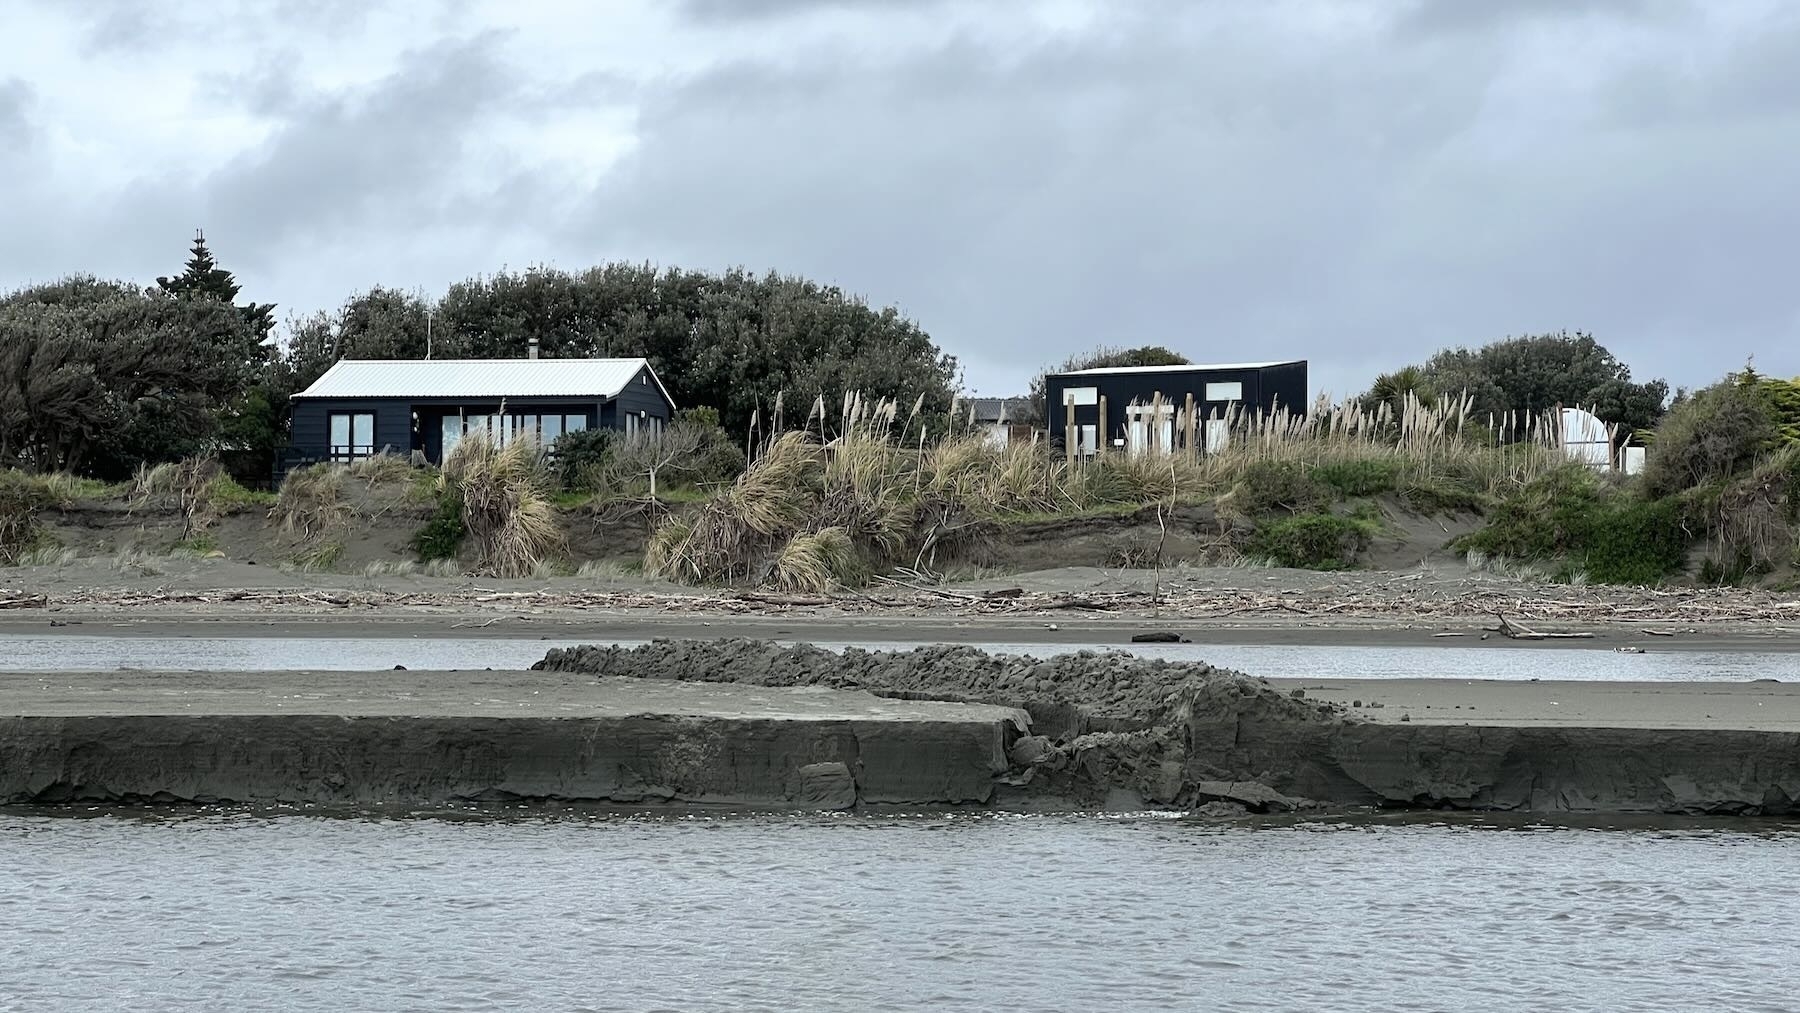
1225, 390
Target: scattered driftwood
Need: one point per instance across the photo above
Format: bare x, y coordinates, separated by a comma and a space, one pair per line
1526, 611
1519, 631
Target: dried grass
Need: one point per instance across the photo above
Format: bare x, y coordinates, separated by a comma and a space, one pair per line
507, 508
311, 501
880, 484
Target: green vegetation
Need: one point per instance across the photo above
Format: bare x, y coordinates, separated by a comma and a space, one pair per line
507, 517
1314, 541
1513, 381
1613, 535
442, 536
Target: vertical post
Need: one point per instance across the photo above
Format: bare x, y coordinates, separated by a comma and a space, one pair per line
1102, 437
1070, 435
1188, 424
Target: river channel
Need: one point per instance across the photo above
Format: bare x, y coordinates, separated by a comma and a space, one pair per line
244, 910
107, 653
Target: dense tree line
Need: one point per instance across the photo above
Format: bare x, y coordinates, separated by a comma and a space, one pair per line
732, 341
1527, 375
99, 377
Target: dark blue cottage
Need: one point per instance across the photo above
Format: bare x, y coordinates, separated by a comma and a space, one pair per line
1133, 420
361, 408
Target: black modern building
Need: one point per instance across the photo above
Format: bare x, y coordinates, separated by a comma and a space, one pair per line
361, 408
1128, 392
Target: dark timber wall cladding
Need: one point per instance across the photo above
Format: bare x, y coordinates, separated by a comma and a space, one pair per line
643, 395
312, 426
1278, 386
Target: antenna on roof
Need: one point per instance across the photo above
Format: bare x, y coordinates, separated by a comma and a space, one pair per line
428, 333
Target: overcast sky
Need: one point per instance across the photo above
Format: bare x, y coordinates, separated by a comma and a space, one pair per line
1357, 184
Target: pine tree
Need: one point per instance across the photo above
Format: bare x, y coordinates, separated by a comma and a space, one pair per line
204, 278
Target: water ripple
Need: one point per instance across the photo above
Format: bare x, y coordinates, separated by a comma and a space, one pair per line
235, 910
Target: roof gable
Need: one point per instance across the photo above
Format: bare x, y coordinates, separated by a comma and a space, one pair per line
480, 378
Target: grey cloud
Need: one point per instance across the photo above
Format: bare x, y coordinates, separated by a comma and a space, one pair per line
728, 11
1215, 184
1432, 17
369, 160
16, 127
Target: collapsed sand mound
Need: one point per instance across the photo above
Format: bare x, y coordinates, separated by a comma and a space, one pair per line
1100, 720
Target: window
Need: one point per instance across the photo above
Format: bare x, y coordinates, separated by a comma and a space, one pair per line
352, 435
630, 424
504, 429
1218, 434
1233, 391
1081, 395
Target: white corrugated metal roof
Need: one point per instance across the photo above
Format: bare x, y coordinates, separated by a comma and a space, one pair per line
479, 378
1190, 368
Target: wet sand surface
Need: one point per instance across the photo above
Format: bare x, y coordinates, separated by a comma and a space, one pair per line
1754, 706
809, 625
448, 694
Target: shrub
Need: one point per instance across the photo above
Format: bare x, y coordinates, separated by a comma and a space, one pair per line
1355, 477
1271, 485
442, 536
1711, 437
1547, 518
1613, 537
1438, 495
581, 458
1632, 541
1312, 541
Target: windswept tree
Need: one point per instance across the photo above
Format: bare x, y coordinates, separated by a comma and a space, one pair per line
99, 377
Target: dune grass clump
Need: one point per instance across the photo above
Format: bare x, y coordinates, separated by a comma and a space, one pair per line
505, 492
311, 501
22, 497
819, 507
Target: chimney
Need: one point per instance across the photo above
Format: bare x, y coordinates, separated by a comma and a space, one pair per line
533, 345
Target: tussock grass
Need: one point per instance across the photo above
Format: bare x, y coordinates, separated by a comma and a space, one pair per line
199, 487
890, 495
382, 469
47, 555
815, 561
508, 515
391, 568
320, 557
606, 569
311, 501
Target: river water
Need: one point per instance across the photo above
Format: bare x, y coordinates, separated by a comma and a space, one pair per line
289, 912
88, 653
